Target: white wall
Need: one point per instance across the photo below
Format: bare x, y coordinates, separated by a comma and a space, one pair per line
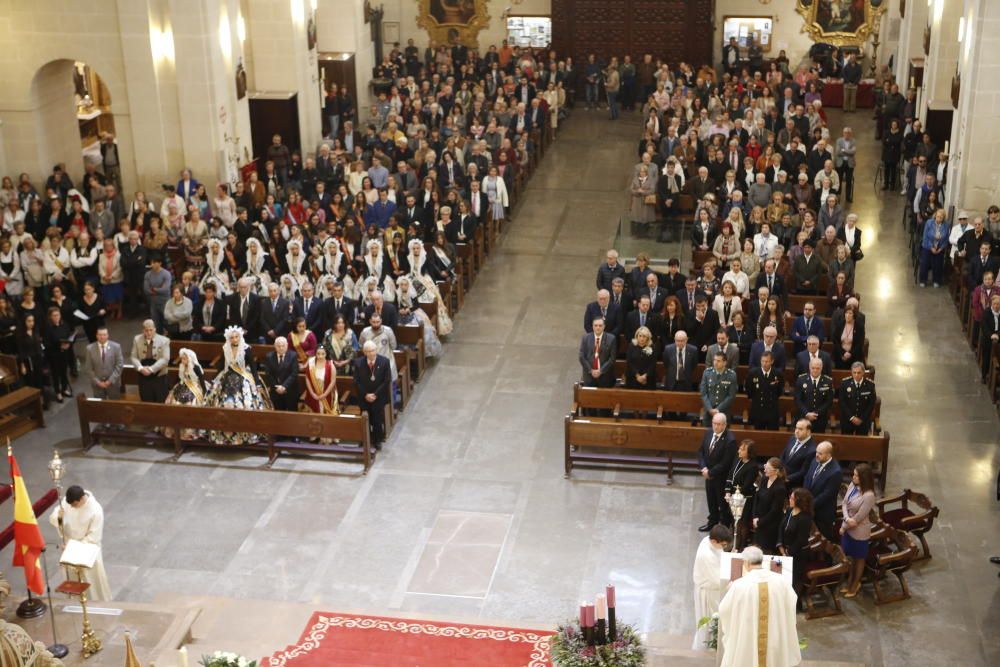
341, 27
787, 28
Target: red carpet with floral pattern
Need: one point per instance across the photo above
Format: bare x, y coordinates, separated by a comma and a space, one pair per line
376, 641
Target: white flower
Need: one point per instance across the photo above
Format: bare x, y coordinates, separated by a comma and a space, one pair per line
242, 662
647, 351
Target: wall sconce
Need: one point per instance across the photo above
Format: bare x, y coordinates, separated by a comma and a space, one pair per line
162, 43
241, 28
225, 38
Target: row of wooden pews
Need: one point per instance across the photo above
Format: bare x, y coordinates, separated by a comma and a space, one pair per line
962, 298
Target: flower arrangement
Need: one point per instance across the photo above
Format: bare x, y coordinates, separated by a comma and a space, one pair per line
570, 648
712, 640
226, 659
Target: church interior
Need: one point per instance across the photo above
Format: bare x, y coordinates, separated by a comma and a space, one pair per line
494, 157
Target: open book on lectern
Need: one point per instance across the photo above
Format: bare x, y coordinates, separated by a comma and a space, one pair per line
79, 554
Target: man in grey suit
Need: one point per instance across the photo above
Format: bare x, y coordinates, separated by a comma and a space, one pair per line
104, 362
723, 346
150, 355
680, 359
846, 148
597, 356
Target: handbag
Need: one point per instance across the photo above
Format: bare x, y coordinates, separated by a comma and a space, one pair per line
858, 255
649, 199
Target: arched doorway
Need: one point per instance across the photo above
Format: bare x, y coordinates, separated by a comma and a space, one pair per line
72, 111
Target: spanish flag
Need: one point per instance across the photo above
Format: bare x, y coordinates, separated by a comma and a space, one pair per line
28, 542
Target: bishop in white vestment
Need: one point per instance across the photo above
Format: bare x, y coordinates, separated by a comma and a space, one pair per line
83, 519
707, 583
757, 618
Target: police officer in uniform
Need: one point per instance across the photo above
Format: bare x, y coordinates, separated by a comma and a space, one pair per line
718, 388
814, 396
857, 402
764, 388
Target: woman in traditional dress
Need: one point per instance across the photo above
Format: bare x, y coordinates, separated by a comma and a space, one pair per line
215, 269
496, 192
236, 386
257, 268
441, 260
287, 287
296, 263
410, 313
340, 345
376, 266
424, 284
302, 341
189, 390
321, 386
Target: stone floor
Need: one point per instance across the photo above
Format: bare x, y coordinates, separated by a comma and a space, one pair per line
467, 515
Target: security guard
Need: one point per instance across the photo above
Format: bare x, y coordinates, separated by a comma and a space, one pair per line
718, 388
857, 402
764, 388
814, 396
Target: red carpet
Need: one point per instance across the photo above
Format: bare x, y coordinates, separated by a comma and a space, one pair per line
375, 641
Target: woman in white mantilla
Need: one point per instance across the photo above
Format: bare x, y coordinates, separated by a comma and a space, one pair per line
189, 390
257, 266
216, 270
424, 286
297, 263
237, 386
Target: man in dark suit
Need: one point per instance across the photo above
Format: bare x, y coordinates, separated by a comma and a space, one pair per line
609, 270
657, 295
210, 316
374, 383
755, 307
603, 308
799, 451
856, 397
769, 344
807, 270
621, 296
462, 228
990, 336
281, 369
310, 308
274, 314
771, 279
814, 396
823, 479
338, 304
597, 356
764, 387
411, 213
390, 316
805, 325
715, 458
701, 184
980, 264
689, 295
680, 360
479, 202
811, 352
701, 325
244, 310
644, 316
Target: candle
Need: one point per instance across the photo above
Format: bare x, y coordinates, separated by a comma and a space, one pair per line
609, 591
583, 614
590, 615
913, 82
602, 607
182, 652
946, 144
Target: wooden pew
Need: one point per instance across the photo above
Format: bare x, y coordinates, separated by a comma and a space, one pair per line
20, 412
838, 374
277, 427
663, 448
413, 338
619, 401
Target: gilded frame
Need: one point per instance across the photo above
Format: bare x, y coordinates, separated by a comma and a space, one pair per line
809, 9
453, 21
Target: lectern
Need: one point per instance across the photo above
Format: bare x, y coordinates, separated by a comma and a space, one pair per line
81, 556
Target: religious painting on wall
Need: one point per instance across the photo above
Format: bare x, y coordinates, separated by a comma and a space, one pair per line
840, 22
453, 21
241, 80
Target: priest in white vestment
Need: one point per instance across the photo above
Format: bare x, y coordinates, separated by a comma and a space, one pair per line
80, 517
753, 634
707, 583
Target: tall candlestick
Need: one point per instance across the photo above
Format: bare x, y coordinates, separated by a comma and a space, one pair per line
583, 615
609, 591
602, 607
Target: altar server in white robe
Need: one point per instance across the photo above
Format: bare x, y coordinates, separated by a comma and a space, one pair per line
80, 517
707, 582
741, 616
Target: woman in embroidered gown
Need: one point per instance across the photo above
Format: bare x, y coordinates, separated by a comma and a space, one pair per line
424, 285
257, 269
215, 269
287, 287
296, 261
302, 341
341, 345
237, 386
189, 390
321, 386
410, 313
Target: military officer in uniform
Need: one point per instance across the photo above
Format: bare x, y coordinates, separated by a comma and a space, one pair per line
857, 401
764, 388
814, 396
718, 388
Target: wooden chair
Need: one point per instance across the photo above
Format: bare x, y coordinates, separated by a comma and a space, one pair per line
905, 518
892, 552
824, 574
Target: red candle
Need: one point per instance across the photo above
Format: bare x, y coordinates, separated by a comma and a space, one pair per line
590, 615
583, 614
609, 591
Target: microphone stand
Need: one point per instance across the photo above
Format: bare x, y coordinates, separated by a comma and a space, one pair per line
56, 649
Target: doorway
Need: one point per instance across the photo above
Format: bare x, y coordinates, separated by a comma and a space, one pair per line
336, 68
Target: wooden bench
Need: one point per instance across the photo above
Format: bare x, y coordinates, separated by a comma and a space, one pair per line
838, 374
826, 346
619, 401
20, 412
142, 421
663, 448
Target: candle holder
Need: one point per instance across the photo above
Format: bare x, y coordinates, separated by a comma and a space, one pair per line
737, 501
91, 644
612, 631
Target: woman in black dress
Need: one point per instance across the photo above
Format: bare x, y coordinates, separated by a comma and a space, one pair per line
8, 327
770, 505
796, 527
742, 335
58, 341
673, 319
93, 306
28, 306
31, 354
744, 475
640, 361
892, 146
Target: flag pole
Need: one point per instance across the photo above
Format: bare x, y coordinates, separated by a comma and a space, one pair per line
32, 607
56, 649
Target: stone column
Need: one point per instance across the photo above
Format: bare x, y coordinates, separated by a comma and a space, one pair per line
940, 66
911, 40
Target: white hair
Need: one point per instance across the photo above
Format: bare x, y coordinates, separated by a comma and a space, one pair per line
753, 556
